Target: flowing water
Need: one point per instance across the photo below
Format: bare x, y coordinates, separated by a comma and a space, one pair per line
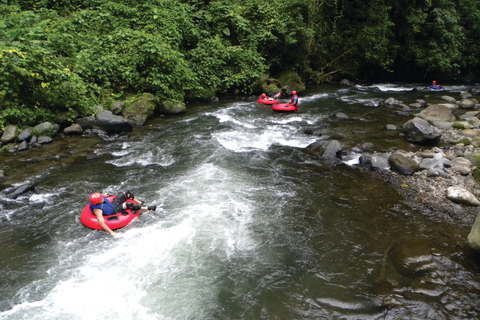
249, 225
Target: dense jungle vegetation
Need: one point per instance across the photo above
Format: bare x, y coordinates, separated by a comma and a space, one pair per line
71, 55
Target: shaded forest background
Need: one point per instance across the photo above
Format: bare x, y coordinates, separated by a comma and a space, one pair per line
70, 55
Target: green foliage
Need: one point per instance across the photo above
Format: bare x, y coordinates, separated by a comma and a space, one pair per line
69, 55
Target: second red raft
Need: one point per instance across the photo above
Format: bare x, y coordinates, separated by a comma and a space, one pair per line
267, 100
284, 107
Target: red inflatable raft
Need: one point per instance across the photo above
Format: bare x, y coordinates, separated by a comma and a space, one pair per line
113, 221
284, 107
267, 101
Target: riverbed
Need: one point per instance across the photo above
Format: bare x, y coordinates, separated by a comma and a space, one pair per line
249, 225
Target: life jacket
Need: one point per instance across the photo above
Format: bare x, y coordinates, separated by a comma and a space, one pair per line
106, 207
294, 100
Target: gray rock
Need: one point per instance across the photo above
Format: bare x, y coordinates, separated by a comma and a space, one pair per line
25, 135
466, 104
443, 125
403, 165
462, 196
391, 127
43, 129
341, 115
327, 149
73, 129
392, 101
437, 112
44, 139
117, 107
22, 146
20, 190
86, 122
380, 162
462, 165
112, 123
449, 99
419, 131
9, 134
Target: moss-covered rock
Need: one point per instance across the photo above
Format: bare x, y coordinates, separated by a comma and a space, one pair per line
291, 81
141, 109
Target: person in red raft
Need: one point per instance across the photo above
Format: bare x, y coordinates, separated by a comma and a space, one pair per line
294, 100
101, 206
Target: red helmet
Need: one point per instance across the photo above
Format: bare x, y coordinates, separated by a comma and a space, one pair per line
263, 95
96, 198
294, 92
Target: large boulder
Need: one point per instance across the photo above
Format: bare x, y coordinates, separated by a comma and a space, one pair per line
327, 149
9, 134
111, 123
418, 130
44, 129
437, 112
141, 109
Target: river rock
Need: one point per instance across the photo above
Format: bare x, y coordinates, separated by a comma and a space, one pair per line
9, 134
401, 164
462, 165
20, 190
44, 129
466, 104
391, 127
327, 149
73, 129
22, 146
341, 116
172, 108
449, 99
25, 135
379, 162
140, 110
392, 101
460, 195
111, 123
418, 130
437, 112
86, 122
117, 107
473, 237
44, 139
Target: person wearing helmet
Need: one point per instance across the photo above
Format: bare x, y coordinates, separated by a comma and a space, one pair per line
265, 97
294, 100
101, 206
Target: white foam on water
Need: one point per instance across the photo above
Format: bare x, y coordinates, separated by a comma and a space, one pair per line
168, 269
138, 156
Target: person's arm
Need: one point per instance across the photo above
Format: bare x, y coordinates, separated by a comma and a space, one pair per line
101, 220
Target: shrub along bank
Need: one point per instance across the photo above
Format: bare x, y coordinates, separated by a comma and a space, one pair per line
71, 55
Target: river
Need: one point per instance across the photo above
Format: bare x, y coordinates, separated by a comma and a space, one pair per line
248, 225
